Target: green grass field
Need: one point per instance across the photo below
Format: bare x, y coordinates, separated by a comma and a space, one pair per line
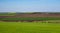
29, 27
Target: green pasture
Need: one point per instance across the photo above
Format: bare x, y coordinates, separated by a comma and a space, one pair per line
7, 14
29, 27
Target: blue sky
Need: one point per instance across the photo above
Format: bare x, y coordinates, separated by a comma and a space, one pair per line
29, 5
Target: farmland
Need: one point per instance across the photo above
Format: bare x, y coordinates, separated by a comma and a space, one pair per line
30, 23
29, 27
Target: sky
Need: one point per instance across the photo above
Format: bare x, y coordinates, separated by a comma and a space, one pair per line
29, 5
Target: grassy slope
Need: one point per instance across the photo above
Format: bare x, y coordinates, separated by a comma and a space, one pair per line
18, 27
7, 14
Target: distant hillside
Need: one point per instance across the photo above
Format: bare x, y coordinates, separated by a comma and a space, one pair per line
7, 14
31, 14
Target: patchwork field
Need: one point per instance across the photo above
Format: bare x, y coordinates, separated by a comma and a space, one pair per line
29, 27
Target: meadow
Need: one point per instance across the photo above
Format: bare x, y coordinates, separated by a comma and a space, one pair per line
29, 27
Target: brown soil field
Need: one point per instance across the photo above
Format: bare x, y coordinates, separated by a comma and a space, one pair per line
37, 15
34, 15
31, 15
